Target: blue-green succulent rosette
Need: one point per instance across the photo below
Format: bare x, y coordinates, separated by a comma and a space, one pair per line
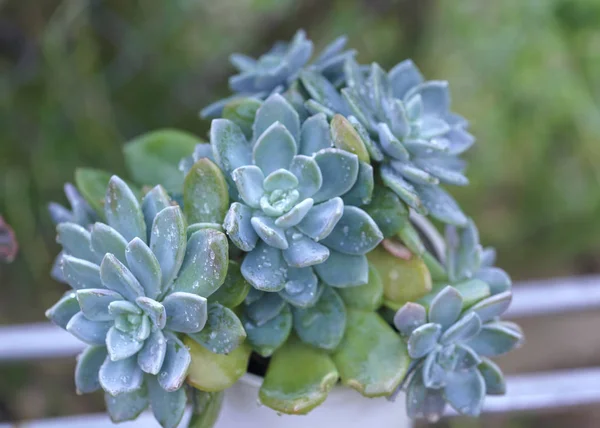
139, 282
277, 70
295, 218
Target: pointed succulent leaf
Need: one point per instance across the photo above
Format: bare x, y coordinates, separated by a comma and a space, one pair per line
310, 178
466, 358
238, 225
223, 331
76, 241
302, 288
343, 270
175, 367
410, 317
126, 406
63, 310
339, 170
263, 268
413, 173
151, 357
362, 191
372, 358
321, 90
230, 148
464, 329
121, 345
204, 266
90, 332
401, 187
465, 392
390, 144
493, 377
235, 288
119, 377
446, 307
274, 149
493, 306
435, 97
156, 200
441, 205
87, 368
497, 279
116, 277
216, 372
355, 233
123, 211
205, 194
403, 77
94, 303
387, 211
155, 310
321, 219
168, 407
123, 307
153, 158
368, 297
303, 251
423, 340
295, 215
276, 109
104, 239
315, 135
467, 251
434, 376
268, 337
242, 112
345, 137
322, 325
300, 390
495, 339
265, 309
472, 291
192, 228
79, 273
249, 182
272, 235
423, 402
411, 238
488, 257
92, 183
145, 267
186, 313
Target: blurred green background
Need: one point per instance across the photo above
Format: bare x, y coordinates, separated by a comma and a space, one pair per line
80, 77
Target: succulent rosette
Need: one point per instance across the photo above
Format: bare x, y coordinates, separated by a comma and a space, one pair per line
277, 70
139, 282
450, 343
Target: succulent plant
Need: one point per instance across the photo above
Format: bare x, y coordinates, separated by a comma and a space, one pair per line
138, 283
277, 69
450, 345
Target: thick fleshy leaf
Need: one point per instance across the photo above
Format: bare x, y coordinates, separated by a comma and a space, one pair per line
63, 310
276, 109
127, 406
156, 200
423, 340
216, 372
410, 317
464, 250
367, 297
434, 375
268, 337
295, 215
206, 408
242, 112
390, 144
466, 358
496, 278
175, 366
321, 90
372, 358
153, 158
79, 273
464, 329
280, 179
339, 170
300, 390
413, 174
343, 270
205, 194
151, 357
362, 191
90, 332
446, 307
115, 276
472, 291
91, 183
123, 211
465, 392
303, 251
493, 306
155, 310
272, 235
76, 241
168, 407
223, 331
322, 218
145, 267
205, 263
235, 288
495, 339
401, 187
118, 377
87, 368
441, 205
121, 345
265, 309
274, 149
105, 239
264, 268
310, 178
315, 135
238, 226
123, 307
322, 325
94, 303
435, 96
186, 313
355, 233
249, 182
301, 289
422, 402
345, 137
387, 211
230, 148
404, 76
493, 377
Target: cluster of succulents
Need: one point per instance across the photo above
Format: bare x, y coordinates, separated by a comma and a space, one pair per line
296, 233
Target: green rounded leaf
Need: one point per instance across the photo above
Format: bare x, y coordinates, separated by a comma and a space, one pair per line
367, 297
206, 408
242, 112
345, 137
268, 337
205, 194
223, 331
387, 210
235, 288
92, 184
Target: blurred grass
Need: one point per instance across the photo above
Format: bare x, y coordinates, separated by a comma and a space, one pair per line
80, 77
